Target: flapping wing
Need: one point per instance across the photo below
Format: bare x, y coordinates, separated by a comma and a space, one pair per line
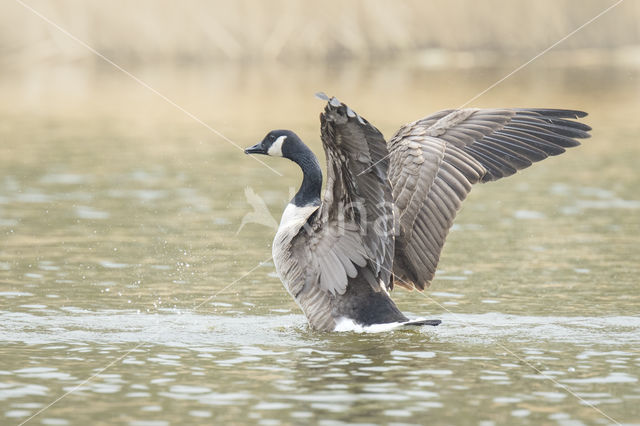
436, 160
352, 231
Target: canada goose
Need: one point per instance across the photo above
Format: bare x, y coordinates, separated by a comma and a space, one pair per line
388, 207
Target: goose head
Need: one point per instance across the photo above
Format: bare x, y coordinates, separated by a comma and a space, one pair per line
278, 143
286, 144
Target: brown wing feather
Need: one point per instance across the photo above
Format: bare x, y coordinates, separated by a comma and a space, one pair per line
436, 160
355, 223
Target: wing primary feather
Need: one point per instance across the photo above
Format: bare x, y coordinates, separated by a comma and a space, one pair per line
560, 129
527, 151
494, 168
504, 153
569, 123
554, 138
529, 139
551, 112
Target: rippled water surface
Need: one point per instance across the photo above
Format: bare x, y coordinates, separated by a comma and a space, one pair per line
130, 290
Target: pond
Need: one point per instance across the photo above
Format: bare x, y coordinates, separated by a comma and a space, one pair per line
131, 292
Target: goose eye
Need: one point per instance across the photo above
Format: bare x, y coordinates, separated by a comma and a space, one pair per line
272, 137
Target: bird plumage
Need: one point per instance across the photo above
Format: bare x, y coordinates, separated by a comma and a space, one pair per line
387, 208
436, 160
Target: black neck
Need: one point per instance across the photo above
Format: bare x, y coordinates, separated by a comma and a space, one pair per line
309, 192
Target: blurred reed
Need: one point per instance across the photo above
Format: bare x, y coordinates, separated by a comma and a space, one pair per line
291, 30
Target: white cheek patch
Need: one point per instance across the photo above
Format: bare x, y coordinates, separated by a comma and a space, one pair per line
275, 150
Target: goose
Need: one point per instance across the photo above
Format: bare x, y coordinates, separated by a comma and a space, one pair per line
388, 206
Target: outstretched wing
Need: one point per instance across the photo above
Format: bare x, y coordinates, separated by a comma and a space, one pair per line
352, 231
436, 160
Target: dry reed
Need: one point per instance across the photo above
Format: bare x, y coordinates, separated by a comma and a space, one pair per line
292, 30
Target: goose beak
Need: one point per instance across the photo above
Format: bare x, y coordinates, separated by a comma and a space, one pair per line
256, 149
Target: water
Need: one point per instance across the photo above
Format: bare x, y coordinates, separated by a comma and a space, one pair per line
121, 261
